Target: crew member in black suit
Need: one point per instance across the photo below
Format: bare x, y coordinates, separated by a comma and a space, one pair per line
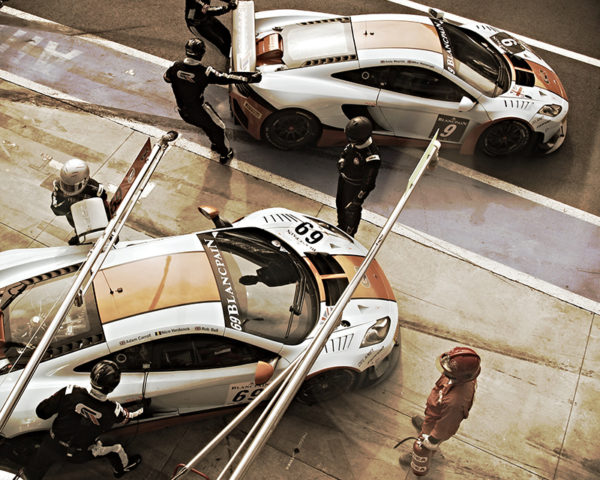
358, 166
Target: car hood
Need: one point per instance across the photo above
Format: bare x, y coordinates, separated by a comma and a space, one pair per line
529, 70
303, 233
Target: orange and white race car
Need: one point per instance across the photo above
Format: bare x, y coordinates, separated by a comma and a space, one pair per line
190, 319
411, 75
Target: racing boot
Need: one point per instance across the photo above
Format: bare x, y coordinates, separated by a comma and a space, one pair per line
417, 422
134, 461
225, 157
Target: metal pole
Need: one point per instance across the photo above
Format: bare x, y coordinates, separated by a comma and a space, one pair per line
36, 357
239, 417
330, 324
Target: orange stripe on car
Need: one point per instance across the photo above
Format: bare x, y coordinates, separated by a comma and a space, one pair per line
153, 284
547, 79
373, 285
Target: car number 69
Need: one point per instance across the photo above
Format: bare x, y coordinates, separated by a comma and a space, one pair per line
313, 237
246, 395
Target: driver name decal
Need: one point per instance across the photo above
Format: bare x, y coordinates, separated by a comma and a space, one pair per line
446, 46
229, 301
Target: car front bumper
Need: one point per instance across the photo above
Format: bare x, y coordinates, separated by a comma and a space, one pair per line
379, 372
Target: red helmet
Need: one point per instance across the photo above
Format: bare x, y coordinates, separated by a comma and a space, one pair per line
460, 363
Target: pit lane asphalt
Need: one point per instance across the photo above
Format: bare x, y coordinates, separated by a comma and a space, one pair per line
557, 245
536, 412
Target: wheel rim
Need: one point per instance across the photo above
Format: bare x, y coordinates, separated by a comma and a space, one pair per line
505, 138
328, 385
291, 130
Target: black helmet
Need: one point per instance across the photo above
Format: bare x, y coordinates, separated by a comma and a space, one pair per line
358, 130
195, 48
105, 376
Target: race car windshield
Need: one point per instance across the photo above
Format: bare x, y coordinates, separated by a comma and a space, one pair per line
275, 297
477, 63
30, 308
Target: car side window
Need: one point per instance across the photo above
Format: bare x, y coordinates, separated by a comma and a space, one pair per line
204, 351
375, 77
184, 352
424, 83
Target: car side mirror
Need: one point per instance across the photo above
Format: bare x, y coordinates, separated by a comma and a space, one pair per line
465, 104
213, 214
264, 372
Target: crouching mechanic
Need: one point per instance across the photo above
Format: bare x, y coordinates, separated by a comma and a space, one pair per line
81, 416
73, 185
447, 406
358, 166
189, 78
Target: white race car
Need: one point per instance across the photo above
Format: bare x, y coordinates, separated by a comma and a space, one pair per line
411, 75
193, 319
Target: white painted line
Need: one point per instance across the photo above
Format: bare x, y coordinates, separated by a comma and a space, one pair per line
329, 201
91, 38
529, 41
520, 192
36, 87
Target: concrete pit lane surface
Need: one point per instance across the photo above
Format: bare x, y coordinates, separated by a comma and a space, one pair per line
536, 410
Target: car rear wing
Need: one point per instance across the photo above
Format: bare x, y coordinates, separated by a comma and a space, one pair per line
243, 48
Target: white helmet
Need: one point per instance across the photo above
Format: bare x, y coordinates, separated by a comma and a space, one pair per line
74, 176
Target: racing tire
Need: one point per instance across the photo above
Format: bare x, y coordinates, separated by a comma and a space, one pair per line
291, 129
326, 386
505, 138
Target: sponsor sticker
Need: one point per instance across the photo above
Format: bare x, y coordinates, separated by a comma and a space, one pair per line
451, 128
446, 45
229, 301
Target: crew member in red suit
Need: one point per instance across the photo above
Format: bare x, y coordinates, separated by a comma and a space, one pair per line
450, 399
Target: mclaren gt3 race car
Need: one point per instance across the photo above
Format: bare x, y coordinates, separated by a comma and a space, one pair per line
193, 320
411, 75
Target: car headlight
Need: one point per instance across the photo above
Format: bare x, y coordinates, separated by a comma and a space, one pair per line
377, 333
550, 110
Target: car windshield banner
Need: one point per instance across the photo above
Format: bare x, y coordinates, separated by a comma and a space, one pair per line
446, 45
229, 302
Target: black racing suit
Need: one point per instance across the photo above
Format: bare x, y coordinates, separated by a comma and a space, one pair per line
201, 19
61, 203
189, 78
81, 417
358, 167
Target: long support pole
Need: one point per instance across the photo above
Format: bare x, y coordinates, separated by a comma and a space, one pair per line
90, 266
315, 348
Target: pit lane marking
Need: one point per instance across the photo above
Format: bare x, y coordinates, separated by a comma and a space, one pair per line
530, 41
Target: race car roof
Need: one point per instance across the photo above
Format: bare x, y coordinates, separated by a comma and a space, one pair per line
343, 38
154, 283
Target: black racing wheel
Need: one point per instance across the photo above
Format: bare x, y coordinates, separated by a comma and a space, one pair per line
326, 386
291, 129
505, 138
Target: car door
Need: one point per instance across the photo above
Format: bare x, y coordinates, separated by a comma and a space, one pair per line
417, 101
370, 80
200, 372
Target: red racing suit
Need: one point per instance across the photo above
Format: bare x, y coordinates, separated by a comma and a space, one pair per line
448, 404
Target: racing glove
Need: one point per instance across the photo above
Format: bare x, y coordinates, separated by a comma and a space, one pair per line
429, 442
340, 164
255, 77
233, 5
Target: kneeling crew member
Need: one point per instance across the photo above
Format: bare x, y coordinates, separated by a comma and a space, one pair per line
81, 417
358, 167
189, 78
73, 185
